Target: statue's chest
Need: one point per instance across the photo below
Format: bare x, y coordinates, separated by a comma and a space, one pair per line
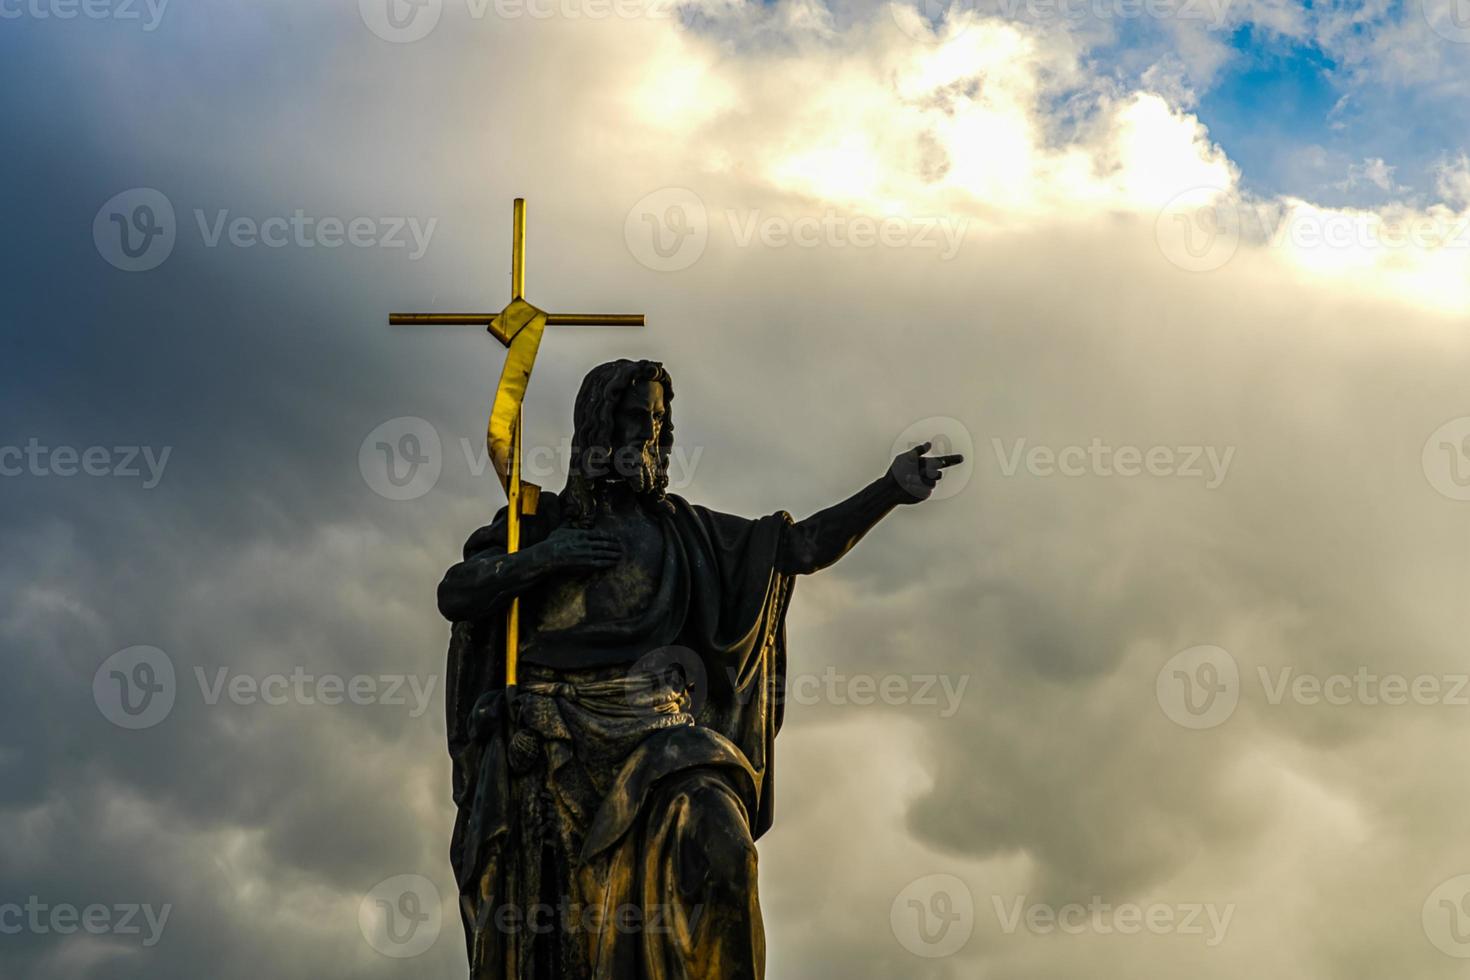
627, 587
613, 593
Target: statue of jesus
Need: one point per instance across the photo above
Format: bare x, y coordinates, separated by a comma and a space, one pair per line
608, 812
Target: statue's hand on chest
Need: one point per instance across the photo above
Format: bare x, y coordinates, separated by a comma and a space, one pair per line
622, 589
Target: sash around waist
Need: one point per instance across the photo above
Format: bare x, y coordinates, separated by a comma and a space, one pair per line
610, 703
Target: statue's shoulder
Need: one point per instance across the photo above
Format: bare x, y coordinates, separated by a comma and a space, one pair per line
534, 527
684, 512
719, 520
681, 505
485, 538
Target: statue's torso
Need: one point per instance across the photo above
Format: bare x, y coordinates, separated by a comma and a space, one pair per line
607, 595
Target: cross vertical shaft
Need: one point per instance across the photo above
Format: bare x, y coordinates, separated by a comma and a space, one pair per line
513, 478
512, 545
518, 249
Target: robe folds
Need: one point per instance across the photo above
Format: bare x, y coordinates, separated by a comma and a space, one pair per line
607, 818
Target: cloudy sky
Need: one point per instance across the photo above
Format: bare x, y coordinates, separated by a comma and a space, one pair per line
1171, 682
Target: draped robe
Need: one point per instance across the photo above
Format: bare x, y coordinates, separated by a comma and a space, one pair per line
628, 798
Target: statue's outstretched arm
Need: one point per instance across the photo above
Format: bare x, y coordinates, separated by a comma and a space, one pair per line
483, 584
827, 535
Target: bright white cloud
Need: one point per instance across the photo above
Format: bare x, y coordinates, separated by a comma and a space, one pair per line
1002, 124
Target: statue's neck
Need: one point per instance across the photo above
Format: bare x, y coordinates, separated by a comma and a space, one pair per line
618, 498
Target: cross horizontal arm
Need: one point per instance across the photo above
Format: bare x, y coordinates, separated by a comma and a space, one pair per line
491, 321
484, 319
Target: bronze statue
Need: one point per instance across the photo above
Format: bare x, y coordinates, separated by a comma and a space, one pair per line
610, 797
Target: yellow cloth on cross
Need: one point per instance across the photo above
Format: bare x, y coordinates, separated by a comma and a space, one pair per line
523, 325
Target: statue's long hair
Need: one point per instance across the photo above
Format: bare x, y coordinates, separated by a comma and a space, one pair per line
592, 434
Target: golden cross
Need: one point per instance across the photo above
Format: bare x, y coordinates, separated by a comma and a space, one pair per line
519, 327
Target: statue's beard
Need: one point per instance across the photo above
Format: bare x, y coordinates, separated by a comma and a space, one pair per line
637, 466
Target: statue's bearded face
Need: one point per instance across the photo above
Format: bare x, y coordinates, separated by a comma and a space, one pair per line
638, 425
